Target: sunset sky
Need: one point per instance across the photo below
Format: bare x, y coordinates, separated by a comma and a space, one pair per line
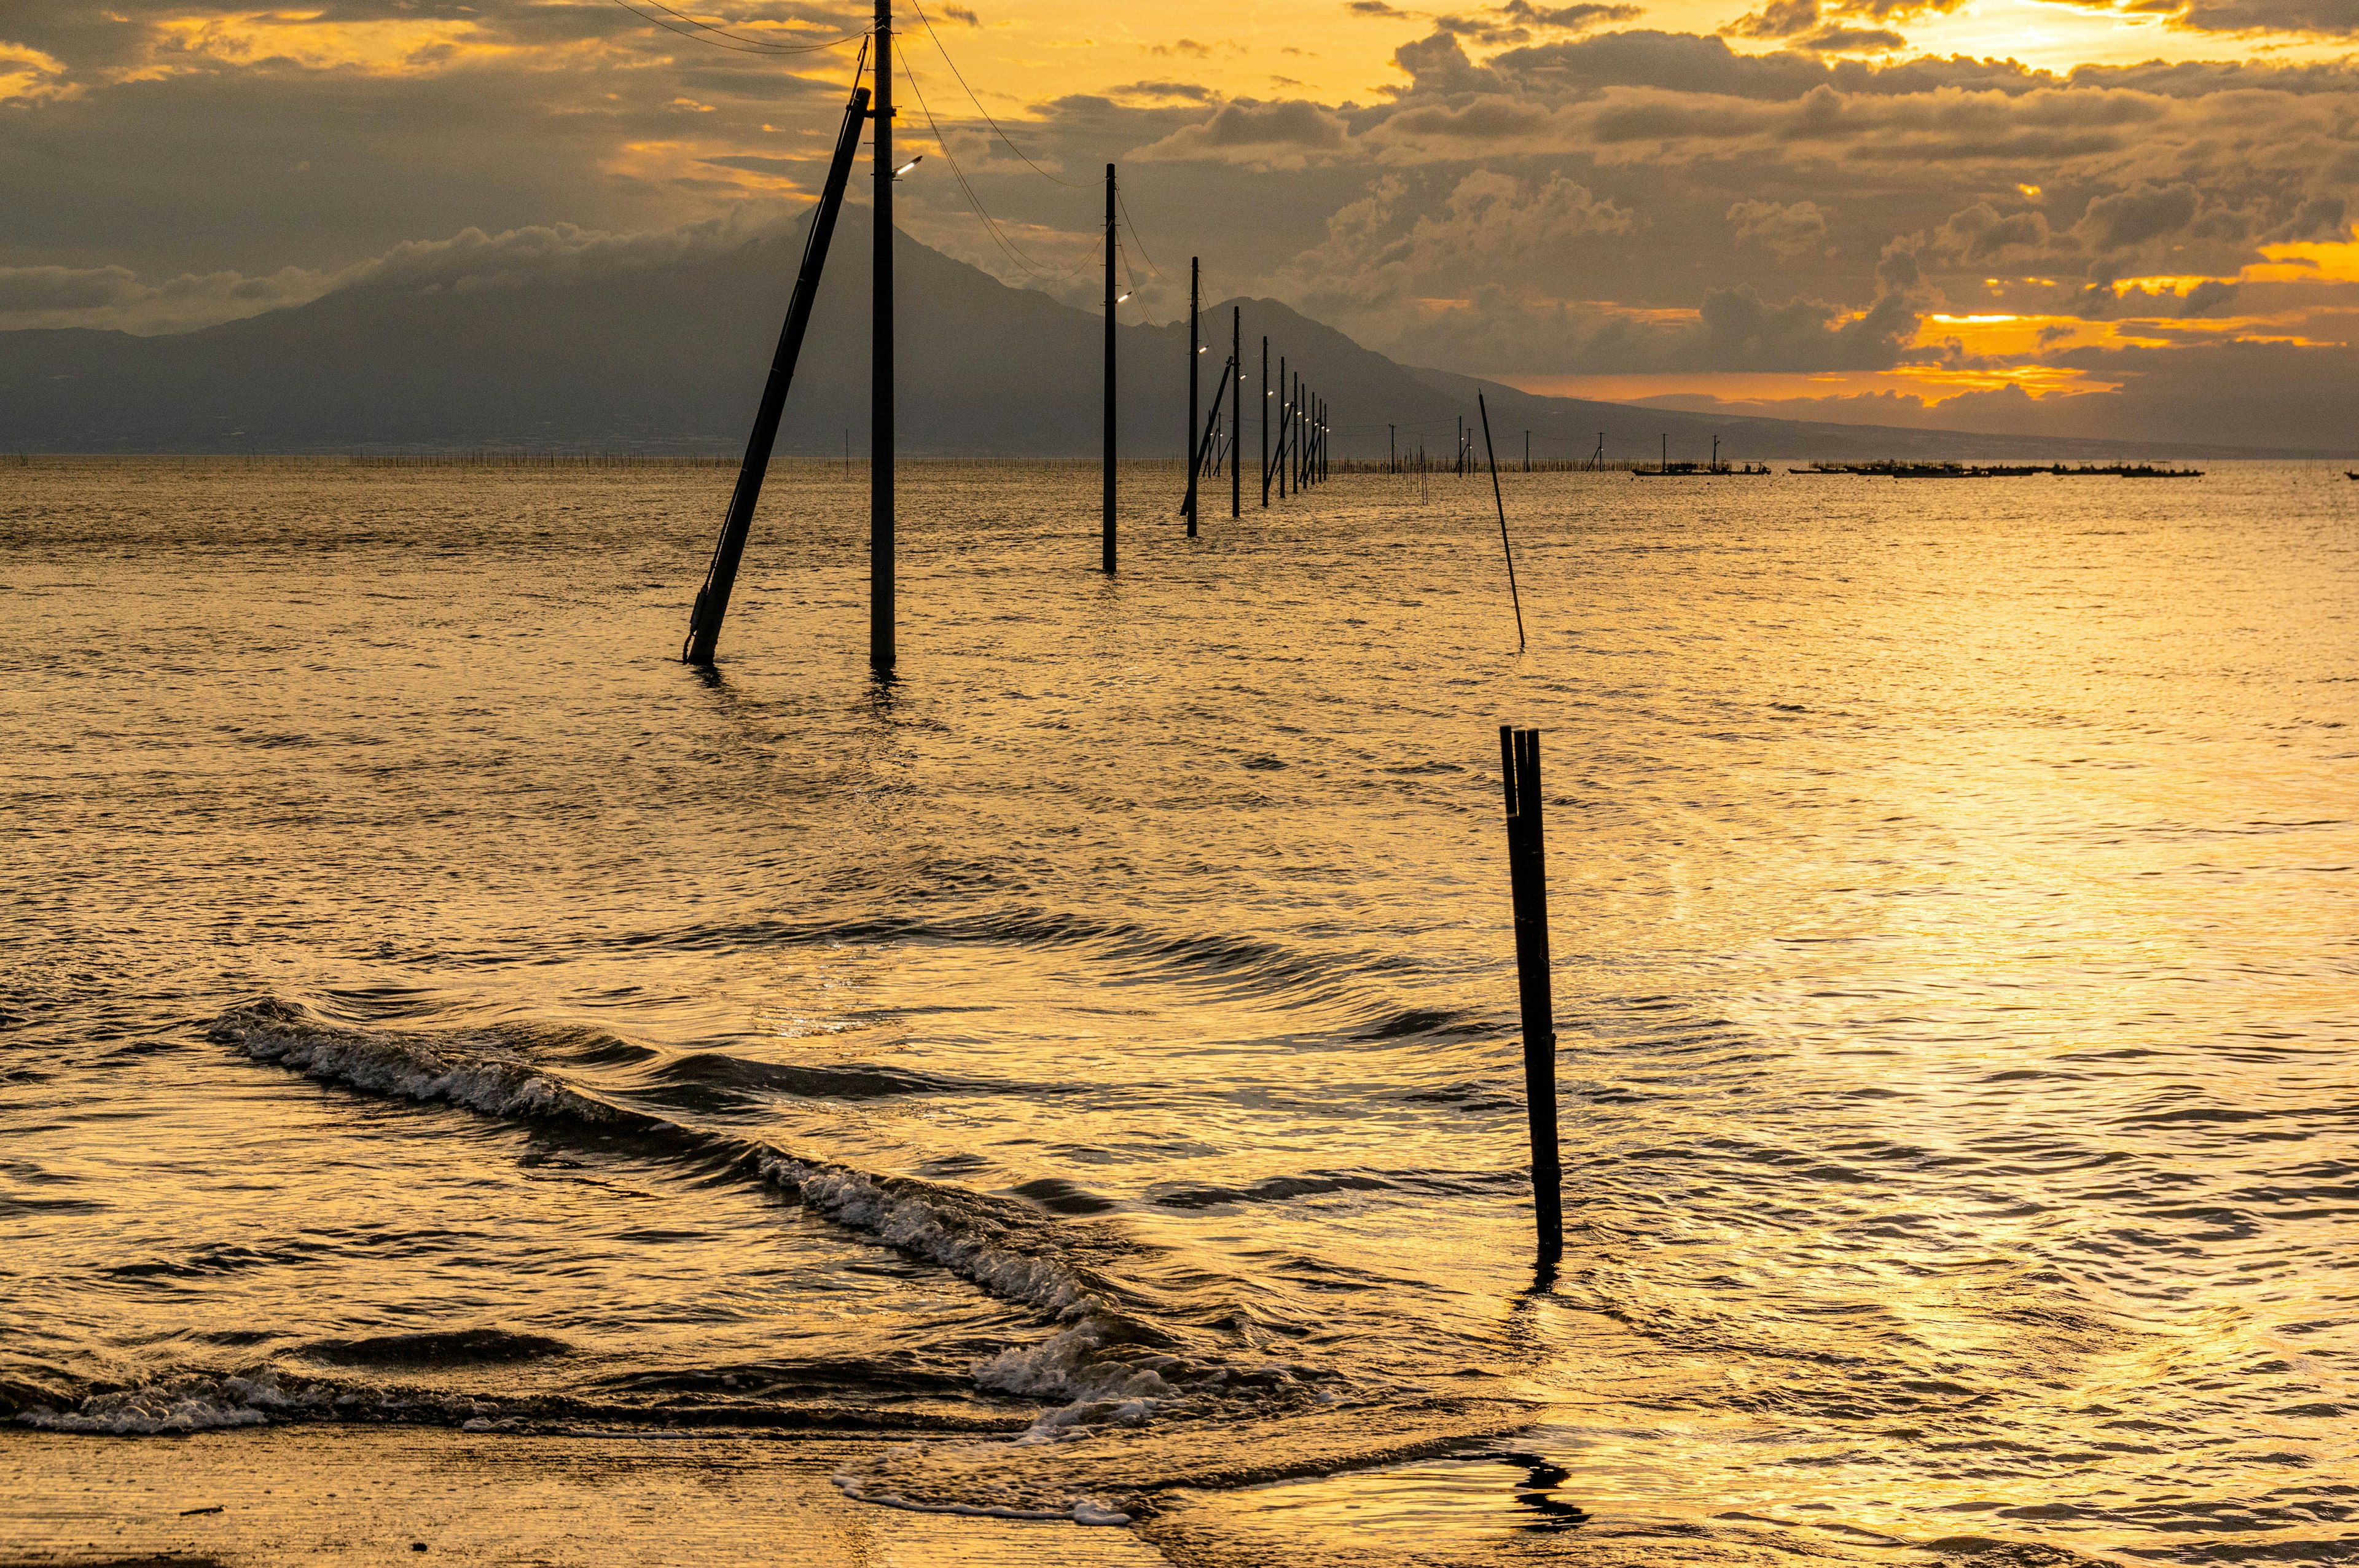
2004, 214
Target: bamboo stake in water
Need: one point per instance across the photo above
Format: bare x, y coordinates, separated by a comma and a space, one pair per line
1106, 505
1519, 761
1501, 506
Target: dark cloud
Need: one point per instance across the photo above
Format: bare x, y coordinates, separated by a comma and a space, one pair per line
2139, 214
1787, 231
1851, 40
1188, 91
1283, 134
2207, 295
1982, 236
1778, 19
2326, 18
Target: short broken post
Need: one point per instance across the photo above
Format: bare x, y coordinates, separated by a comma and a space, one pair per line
1519, 763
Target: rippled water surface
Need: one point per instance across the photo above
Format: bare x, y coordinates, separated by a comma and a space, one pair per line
1093, 1054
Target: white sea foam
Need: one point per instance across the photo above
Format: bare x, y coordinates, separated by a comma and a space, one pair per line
188, 1405
852, 1198
482, 1075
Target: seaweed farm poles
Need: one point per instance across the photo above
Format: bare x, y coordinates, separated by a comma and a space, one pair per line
880, 650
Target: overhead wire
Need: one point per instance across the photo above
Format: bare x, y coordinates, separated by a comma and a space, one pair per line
977, 101
1133, 227
738, 43
990, 224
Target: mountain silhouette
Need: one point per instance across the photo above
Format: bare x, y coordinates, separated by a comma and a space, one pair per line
671, 357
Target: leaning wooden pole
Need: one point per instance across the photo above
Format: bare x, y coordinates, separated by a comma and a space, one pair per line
720, 577
880, 650
1519, 760
1105, 524
1500, 501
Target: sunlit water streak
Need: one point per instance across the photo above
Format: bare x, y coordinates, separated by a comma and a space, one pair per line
1093, 1052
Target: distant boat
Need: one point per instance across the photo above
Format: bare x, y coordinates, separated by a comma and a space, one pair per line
1712, 469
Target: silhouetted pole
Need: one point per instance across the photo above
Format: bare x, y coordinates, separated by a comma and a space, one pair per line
1237, 413
1285, 424
1519, 761
1528, 451
1195, 279
1501, 506
1392, 448
1105, 524
720, 577
1301, 434
1264, 421
881, 651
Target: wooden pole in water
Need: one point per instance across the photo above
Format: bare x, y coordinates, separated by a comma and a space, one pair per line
1195, 331
1264, 421
720, 577
1285, 424
1106, 522
1520, 759
880, 650
1501, 503
1237, 412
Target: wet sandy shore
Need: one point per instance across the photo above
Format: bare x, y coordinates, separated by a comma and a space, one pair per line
314, 1495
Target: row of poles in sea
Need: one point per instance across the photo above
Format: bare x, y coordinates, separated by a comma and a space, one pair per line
1299, 462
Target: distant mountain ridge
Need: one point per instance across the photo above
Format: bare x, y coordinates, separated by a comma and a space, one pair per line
670, 358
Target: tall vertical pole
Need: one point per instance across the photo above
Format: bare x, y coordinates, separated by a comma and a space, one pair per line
881, 651
1285, 424
1106, 522
1237, 414
1264, 421
1195, 331
1519, 757
1528, 451
1392, 447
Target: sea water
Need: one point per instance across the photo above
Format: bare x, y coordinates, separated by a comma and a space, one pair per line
1087, 1061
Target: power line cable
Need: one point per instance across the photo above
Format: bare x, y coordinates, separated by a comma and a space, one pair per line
978, 102
989, 224
699, 32
1123, 203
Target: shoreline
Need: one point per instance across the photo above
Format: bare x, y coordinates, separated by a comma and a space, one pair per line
321, 1493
